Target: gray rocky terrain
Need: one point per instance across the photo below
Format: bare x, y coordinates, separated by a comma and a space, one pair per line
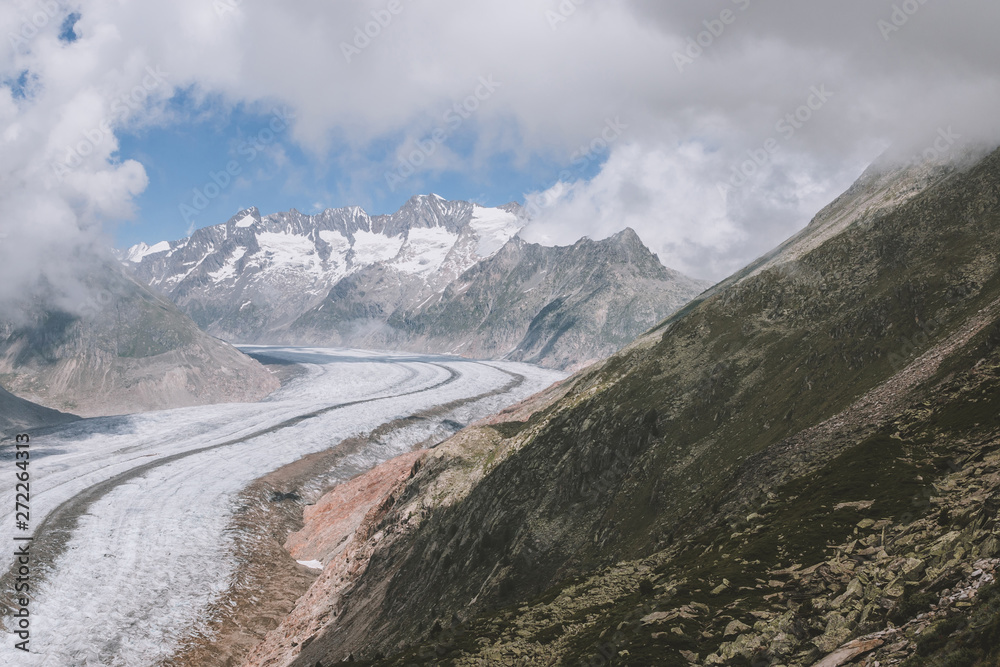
437, 276
123, 350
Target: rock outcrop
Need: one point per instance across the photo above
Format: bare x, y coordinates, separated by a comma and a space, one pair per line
337, 536
339, 515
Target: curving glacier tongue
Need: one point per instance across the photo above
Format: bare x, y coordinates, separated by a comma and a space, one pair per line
139, 547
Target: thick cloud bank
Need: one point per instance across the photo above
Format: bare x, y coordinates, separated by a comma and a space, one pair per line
720, 127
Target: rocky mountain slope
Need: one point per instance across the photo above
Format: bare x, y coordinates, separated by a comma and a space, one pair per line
124, 350
557, 307
435, 276
801, 467
19, 414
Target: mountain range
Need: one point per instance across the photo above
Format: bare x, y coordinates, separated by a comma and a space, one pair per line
436, 276
800, 467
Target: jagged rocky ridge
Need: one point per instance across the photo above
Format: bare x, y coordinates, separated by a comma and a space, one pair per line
802, 467
436, 276
121, 350
559, 307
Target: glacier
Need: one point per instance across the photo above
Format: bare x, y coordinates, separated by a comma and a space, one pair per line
155, 492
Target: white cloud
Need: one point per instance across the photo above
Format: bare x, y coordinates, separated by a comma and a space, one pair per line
609, 58
701, 227
60, 182
661, 193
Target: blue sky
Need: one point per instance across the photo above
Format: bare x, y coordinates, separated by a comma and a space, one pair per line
275, 175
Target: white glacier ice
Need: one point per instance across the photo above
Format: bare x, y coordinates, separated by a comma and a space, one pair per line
151, 553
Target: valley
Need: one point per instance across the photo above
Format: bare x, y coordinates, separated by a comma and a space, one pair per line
797, 468
134, 513
500, 334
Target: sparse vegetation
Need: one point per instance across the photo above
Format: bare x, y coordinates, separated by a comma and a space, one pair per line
777, 470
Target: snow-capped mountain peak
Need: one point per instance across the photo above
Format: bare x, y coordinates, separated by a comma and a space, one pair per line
269, 269
138, 252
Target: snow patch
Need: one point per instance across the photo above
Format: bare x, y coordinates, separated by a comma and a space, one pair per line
247, 221
179, 277
228, 270
340, 248
311, 564
137, 252
334, 238
371, 248
289, 251
425, 250
494, 227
